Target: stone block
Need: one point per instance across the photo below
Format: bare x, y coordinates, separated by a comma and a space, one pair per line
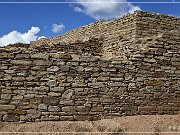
66, 118
3, 102
35, 100
5, 55
117, 84
42, 107
41, 63
82, 109
11, 118
18, 78
149, 60
51, 100
81, 117
18, 97
78, 84
154, 82
17, 112
53, 69
6, 96
67, 95
66, 57
42, 89
147, 108
54, 94
54, 109
21, 62
27, 107
70, 109
97, 109
67, 102
117, 79
50, 118
58, 89
33, 114
22, 56
39, 56
52, 83
9, 71
24, 118
7, 107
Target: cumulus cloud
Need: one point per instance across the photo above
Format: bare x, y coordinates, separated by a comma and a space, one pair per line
56, 28
17, 37
41, 37
104, 9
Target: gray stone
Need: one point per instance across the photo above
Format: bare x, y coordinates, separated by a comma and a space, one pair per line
149, 60
6, 96
54, 94
42, 106
67, 95
53, 69
51, 100
52, 83
54, 108
22, 56
40, 56
58, 89
42, 89
18, 97
50, 118
41, 63
9, 71
33, 114
11, 118
21, 62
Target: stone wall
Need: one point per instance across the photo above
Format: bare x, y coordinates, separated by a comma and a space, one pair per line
114, 33
73, 81
119, 34
65, 86
151, 24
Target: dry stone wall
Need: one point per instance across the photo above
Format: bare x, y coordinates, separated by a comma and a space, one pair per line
114, 33
119, 34
151, 24
73, 81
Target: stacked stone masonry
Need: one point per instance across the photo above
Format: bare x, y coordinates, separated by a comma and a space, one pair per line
71, 79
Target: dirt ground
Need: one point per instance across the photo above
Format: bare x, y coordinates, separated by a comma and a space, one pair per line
131, 125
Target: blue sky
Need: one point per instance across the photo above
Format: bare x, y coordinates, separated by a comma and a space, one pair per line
53, 19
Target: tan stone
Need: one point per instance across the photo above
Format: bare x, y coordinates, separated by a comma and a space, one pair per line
7, 107
66, 118
154, 83
41, 63
21, 62
17, 111
97, 109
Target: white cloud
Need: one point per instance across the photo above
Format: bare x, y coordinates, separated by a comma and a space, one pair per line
77, 9
104, 9
56, 28
41, 37
17, 37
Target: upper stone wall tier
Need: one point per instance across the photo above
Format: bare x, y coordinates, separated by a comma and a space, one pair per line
100, 28
118, 36
152, 24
